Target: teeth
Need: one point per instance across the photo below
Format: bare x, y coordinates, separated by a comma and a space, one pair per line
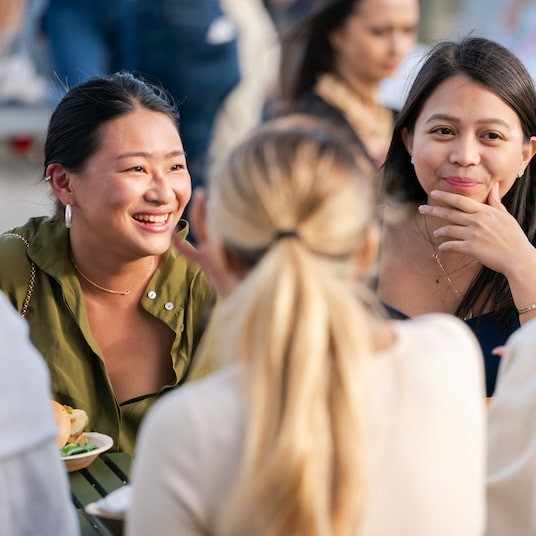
151, 218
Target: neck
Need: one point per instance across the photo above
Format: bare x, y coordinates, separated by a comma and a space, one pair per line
113, 284
366, 91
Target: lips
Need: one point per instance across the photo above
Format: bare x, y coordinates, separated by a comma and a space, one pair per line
461, 182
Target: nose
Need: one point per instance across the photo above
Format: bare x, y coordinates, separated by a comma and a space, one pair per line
464, 151
400, 44
160, 190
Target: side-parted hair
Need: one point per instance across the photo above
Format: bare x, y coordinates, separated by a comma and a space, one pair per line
75, 126
306, 50
293, 205
495, 67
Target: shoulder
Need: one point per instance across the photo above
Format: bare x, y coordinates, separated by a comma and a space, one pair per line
199, 405
442, 352
444, 331
24, 383
516, 380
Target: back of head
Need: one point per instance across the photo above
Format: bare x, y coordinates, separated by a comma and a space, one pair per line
292, 174
293, 206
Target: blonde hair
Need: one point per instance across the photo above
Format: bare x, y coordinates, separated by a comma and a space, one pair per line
292, 204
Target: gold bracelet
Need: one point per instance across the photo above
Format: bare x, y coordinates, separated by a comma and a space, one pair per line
526, 309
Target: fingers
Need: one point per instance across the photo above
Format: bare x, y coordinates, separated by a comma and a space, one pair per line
198, 213
498, 350
494, 199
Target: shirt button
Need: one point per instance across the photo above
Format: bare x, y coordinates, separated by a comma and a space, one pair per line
151, 294
168, 306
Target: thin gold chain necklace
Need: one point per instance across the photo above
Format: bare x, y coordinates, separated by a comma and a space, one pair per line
435, 255
110, 291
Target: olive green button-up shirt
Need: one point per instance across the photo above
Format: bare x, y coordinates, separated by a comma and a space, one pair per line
39, 279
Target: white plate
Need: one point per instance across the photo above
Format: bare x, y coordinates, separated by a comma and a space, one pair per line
81, 461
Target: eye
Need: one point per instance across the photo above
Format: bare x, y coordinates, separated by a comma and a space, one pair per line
443, 131
137, 169
493, 136
177, 167
379, 32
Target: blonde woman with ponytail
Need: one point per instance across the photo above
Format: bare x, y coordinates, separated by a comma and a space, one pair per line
327, 420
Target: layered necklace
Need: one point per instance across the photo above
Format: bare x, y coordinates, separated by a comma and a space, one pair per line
446, 275
110, 291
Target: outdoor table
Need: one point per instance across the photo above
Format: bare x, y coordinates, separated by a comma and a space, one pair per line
107, 473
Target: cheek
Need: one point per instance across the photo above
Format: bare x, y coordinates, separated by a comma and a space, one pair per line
183, 189
506, 185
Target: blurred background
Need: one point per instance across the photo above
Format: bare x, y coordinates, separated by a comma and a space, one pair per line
225, 52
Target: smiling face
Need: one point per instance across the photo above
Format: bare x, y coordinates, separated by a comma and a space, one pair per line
375, 38
466, 139
132, 191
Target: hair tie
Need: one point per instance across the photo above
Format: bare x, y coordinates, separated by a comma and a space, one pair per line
279, 235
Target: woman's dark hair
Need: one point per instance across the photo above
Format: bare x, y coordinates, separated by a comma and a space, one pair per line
75, 125
307, 51
492, 65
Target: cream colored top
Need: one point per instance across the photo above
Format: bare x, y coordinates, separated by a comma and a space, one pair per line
512, 439
425, 443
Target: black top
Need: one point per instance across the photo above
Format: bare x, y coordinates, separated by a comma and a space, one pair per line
489, 333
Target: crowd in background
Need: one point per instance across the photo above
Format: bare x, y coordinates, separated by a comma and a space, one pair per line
355, 259
218, 59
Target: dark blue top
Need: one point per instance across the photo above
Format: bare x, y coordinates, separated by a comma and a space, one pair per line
489, 333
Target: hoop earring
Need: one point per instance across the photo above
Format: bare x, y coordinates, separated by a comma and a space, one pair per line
68, 215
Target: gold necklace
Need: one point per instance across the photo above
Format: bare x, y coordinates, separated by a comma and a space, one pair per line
110, 291
435, 255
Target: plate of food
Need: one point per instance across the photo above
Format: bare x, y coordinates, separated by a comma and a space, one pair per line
78, 448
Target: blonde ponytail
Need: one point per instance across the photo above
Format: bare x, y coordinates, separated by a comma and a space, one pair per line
301, 329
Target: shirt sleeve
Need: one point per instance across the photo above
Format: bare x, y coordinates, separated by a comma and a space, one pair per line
511, 480
34, 494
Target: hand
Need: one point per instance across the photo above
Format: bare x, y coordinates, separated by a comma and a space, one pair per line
208, 256
485, 231
498, 350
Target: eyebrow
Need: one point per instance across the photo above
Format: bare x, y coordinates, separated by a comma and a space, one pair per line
446, 117
145, 155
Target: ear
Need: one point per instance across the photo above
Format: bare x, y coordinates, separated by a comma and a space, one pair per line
529, 149
60, 182
334, 38
367, 254
407, 140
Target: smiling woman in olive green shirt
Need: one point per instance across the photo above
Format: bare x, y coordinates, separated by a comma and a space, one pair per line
115, 311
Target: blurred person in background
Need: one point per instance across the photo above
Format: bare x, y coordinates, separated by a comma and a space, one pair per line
20, 80
285, 13
509, 22
259, 50
334, 59
187, 46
